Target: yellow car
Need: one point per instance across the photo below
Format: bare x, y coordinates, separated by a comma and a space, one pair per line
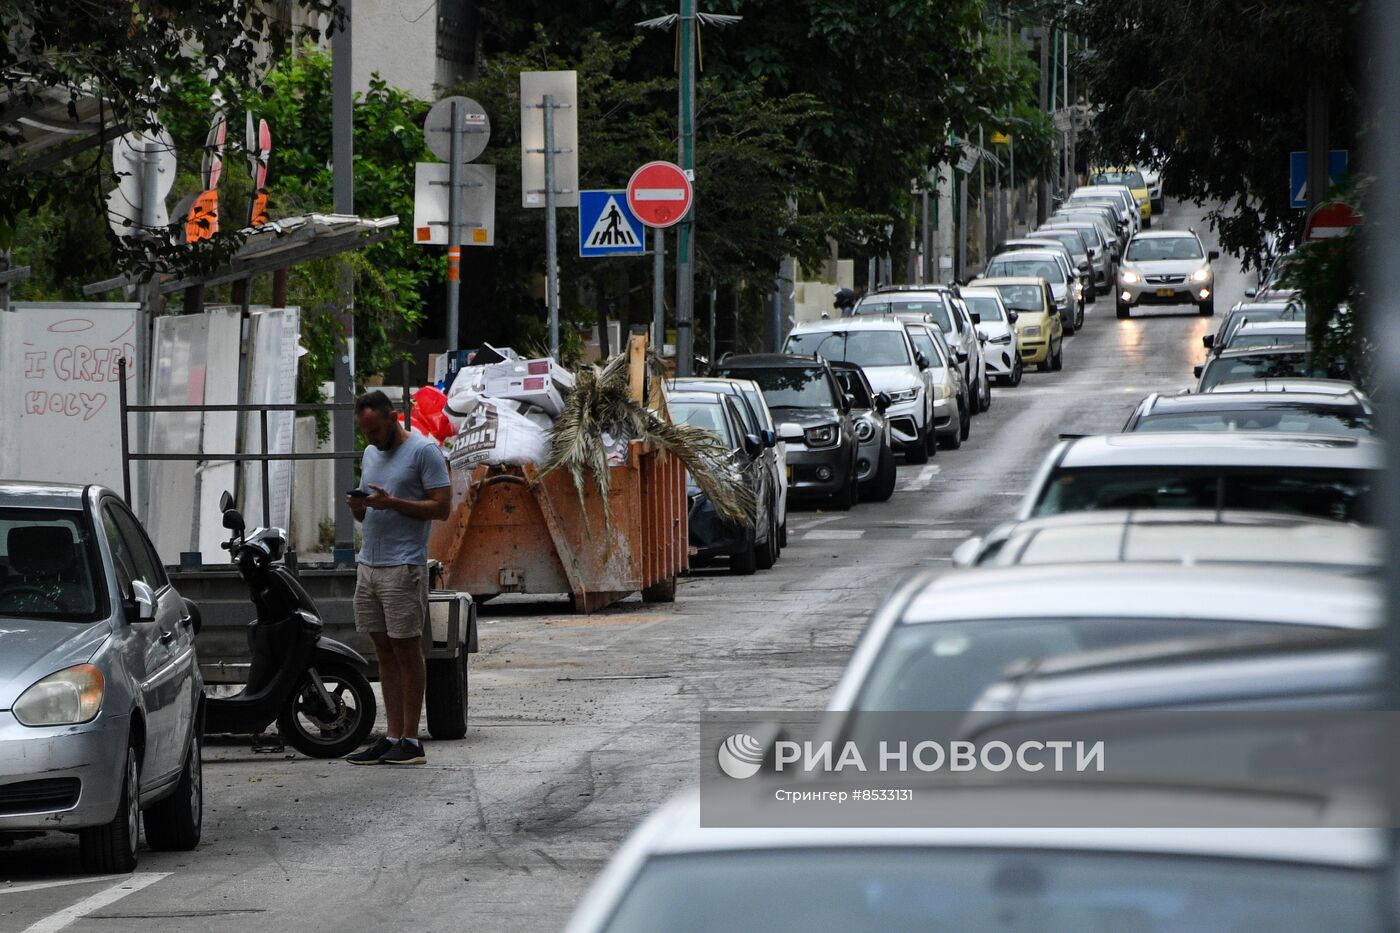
1131, 178
1040, 333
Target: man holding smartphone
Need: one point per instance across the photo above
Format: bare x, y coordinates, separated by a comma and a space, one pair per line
404, 487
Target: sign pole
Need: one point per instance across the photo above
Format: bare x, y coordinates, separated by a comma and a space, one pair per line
343, 184
454, 229
551, 229
685, 244
658, 290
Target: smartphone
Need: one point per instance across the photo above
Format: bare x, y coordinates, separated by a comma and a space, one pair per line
358, 493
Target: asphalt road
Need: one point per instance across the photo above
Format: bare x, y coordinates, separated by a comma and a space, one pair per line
581, 725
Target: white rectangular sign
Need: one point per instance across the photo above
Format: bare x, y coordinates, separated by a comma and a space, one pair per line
478, 204
562, 88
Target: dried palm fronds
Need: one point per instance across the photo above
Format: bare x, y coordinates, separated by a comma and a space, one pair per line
600, 403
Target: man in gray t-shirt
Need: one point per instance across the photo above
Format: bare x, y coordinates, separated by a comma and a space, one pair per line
403, 486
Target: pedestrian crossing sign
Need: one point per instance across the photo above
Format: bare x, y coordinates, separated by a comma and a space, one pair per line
607, 226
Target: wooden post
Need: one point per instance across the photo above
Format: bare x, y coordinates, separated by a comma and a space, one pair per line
637, 368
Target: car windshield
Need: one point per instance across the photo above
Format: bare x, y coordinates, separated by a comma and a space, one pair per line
859, 889
1246, 341
1223, 369
854, 386
707, 415
1338, 494
945, 666
1067, 238
49, 566
1023, 297
923, 342
791, 386
1012, 267
987, 308
1090, 234
1292, 419
934, 307
1131, 179
862, 347
1164, 249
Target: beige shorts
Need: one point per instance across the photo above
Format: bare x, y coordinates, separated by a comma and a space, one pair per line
392, 600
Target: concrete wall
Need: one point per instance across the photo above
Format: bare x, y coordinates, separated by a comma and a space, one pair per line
397, 39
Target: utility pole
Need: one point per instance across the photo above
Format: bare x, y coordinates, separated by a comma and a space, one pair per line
551, 228
343, 183
1042, 201
1318, 133
685, 241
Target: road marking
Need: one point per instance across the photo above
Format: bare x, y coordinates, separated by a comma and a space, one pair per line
925, 477
41, 885
834, 534
806, 523
942, 533
68, 915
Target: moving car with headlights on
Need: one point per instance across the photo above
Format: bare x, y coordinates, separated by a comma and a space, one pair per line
814, 421
996, 325
1164, 268
101, 697
883, 351
1345, 415
875, 467
1327, 477
1040, 336
749, 546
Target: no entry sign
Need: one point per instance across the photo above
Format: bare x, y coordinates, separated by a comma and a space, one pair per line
659, 194
1332, 220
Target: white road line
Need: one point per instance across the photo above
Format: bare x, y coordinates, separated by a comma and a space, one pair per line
806, 523
942, 533
41, 885
925, 477
68, 915
834, 534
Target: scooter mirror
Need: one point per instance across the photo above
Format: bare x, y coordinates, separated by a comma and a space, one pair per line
233, 520
225, 501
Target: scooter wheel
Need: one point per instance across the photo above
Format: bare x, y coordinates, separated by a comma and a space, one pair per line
308, 727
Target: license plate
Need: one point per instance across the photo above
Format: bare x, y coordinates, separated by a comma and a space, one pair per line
1166, 292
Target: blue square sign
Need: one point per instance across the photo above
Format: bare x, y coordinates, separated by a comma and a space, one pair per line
1298, 174
607, 226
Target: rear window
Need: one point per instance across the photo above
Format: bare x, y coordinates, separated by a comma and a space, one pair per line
1023, 297
1340, 495
1222, 369
862, 347
935, 307
790, 387
50, 567
706, 415
1302, 419
1009, 267
988, 309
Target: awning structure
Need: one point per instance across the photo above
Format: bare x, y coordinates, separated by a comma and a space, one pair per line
49, 131
278, 244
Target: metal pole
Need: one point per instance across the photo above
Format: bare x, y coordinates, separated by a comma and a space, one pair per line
551, 221
126, 441
714, 300
658, 289
1318, 131
454, 229
150, 306
1042, 201
926, 240
962, 228
685, 244
983, 250
343, 182
266, 473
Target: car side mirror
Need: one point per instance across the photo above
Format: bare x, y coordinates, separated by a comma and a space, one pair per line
1083, 267
965, 554
226, 501
233, 520
976, 318
1197, 370
883, 402
1251, 292
753, 445
1208, 341
1012, 315
1213, 255
962, 356
192, 613
770, 437
142, 605
921, 359
847, 403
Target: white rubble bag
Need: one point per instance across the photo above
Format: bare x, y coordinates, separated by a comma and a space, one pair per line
492, 431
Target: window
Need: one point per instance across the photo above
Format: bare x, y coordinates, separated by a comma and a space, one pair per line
923, 342
708, 416
149, 569
1164, 249
1023, 298
790, 386
1301, 419
49, 566
988, 309
862, 347
1007, 267
1262, 366
854, 386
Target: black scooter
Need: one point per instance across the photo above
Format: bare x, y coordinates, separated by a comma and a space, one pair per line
313, 686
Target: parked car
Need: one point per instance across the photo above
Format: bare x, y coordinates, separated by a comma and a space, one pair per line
1042, 264
1039, 328
1102, 216
875, 467
883, 350
1251, 334
1344, 415
1100, 248
101, 697
943, 305
814, 421
1185, 536
1078, 249
749, 546
1128, 177
673, 873
1300, 384
1256, 312
996, 324
1153, 177
1079, 276
1287, 361
952, 409
1327, 477
758, 420
1166, 267
1120, 197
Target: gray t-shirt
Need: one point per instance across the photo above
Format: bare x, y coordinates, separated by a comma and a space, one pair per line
408, 471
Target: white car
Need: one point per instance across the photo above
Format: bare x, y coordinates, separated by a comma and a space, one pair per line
881, 348
942, 305
1042, 265
1128, 209
1001, 352
952, 413
673, 874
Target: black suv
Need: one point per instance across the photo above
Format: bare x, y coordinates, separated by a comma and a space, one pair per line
813, 414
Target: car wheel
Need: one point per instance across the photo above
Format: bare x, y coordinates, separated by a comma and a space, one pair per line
986, 391
842, 500
782, 534
1147, 224
1068, 324
1207, 307
1044, 365
110, 849
766, 554
1057, 362
951, 441
917, 452
173, 824
746, 561
1123, 311
1017, 372
883, 486
965, 426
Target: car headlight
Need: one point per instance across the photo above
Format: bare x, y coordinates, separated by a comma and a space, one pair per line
1003, 339
822, 436
1129, 277
1030, 330
864, 430
1201, 275
942, 391
69, 697
907, 395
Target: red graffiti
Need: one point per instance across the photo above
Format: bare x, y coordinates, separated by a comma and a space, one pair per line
84, 405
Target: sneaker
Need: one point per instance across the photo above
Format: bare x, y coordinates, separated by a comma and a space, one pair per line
373, 754
405, 753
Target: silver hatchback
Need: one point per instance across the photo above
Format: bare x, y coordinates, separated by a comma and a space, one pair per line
100, 694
